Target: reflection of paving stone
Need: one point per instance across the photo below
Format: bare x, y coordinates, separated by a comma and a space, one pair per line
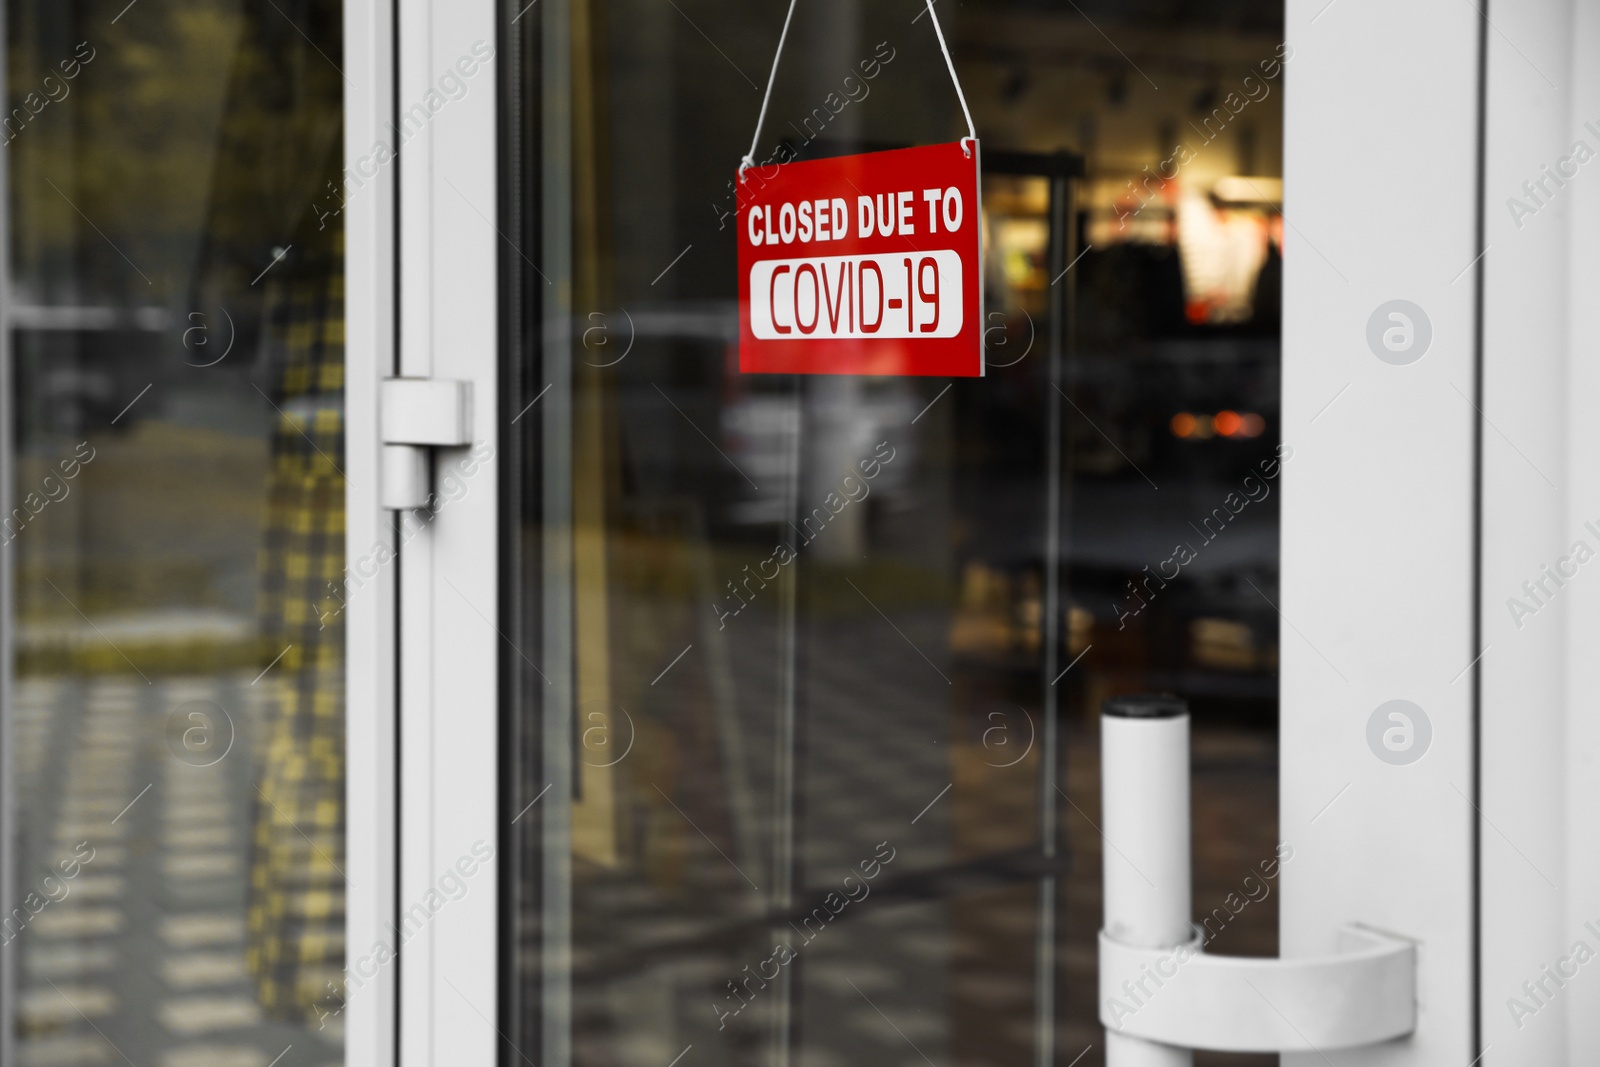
194, 970
214, 1056
58, 961
97, 830
90, 807
63, 920
201, 865
191, 931
191, 837
157, 627
96, 887
52, 1006
185, 784
65, 1052
204, 1015
149, 939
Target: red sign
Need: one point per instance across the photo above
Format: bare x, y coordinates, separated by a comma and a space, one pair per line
863, 264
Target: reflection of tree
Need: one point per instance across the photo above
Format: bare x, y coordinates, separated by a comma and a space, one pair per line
190, 118
135, 144
278, 145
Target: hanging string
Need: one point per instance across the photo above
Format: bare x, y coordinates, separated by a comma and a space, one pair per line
972, 131
749, 159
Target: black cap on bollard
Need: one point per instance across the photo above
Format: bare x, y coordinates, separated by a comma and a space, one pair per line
1145, 706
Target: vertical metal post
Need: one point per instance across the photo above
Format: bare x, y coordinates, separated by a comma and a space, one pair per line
1144, 780
8, 632
1062, 240
782, 1047
556, 204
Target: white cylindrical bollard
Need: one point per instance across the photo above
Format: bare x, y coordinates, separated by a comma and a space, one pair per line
1144, 781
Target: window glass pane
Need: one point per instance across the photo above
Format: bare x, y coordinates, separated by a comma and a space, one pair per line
813, 738
176, 402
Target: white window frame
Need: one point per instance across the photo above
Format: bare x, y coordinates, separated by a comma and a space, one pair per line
371, 618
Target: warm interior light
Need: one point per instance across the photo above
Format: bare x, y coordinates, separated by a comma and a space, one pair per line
1243, 189
1224, 423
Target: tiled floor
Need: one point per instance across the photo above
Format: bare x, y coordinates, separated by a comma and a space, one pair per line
945, 977
138, 957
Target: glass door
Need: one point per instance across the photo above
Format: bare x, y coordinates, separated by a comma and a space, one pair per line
800, 755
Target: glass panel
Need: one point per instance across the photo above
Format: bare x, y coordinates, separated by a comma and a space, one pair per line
807, 771
176, 403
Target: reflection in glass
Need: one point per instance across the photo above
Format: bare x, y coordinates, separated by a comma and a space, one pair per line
176, 391
813, 731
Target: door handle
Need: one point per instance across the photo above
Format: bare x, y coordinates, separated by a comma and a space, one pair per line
416, 414
1160, 994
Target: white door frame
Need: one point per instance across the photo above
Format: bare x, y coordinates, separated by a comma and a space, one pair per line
449, 644
422, 298
1426, 495
370, 612
1379, 534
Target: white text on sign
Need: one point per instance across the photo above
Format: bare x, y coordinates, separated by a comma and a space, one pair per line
828, 219
891, 295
